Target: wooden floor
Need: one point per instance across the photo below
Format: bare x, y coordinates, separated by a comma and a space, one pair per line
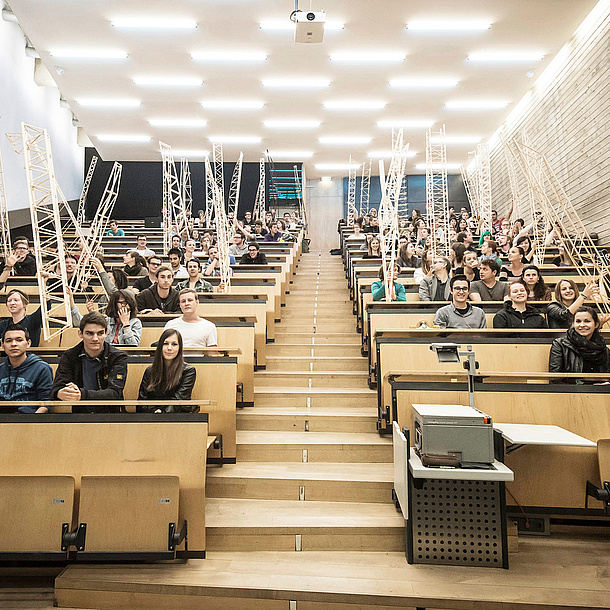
313, 474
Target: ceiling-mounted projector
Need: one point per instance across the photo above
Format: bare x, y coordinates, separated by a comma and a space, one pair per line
309, 26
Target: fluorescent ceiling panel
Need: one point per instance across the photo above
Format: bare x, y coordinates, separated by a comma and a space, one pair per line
178, 123
168, 81
154, 23
344, 140
368, 56
354, 105
233, 104
456, 25
405, 123
292, 124
431, 82
229, 56
235, 139
296, 83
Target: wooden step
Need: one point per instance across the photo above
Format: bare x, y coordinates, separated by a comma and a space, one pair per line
266, 446
320, 482
311, 379
273, 525
320, 325
317, 363
282, 336
303, 419
328, 350
315, 397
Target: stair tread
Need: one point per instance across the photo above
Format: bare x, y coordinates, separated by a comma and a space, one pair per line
264, 374
293, 390
313, 411
270, 437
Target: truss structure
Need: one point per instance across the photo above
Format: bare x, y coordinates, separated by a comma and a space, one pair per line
437, 199
260, 206
80, 216
298, 187
555, 205
365, 188
352, 212
174, 213
16, 140
388, 210
484, 184
209, 198
186, 189
233, 204
512, 178
222, 229
219, 171
4, 222
469, 180
403, 201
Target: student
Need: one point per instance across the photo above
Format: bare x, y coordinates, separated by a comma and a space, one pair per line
568, 299
254, 256
489, 251
175, 256
19, 262
114, 230
525, 243
470, 266
160, 297
582, 349
189, 251
142, 283
92, 370
488, 288
358, 234
460, 313
168, 377
436, 287
239, 247
378, 287
124, 326
373, 247
16, 303
194, 282
213, 266
195, 331
517, 313
514, 270
141, 248
407, 256
23, 376
135, 265
537, 290
274, 233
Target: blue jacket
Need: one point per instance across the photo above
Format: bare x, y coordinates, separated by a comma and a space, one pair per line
30, 381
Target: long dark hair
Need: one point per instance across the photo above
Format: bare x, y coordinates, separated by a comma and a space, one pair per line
540, 287
165, 377
120, 278
112, 309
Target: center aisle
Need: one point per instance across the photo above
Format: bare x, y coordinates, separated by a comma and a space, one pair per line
312, 473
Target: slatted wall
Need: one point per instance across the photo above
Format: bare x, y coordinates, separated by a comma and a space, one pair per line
566, 116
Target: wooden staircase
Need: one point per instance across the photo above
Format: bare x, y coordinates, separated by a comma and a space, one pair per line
312, 473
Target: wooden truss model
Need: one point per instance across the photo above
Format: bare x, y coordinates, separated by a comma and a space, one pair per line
186, 189
511, 170
365, 188
437, 203
233, 204
554, 209
477, 183
260, 205
351, 193
80, 216
469, 178
388, 210
174, 212
222, 228
298, 187
4, 222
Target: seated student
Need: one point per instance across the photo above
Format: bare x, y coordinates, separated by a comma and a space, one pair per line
16, 303
23, 377
425, 270
517, 313
144, 282
194, 282
525, 243
135, 265
259, 229
92, 370
195, 331
274, 232
460, 313
378, 287
407, 256
169, 377
568, 299
239, 247
124, 327
470, 266
514, 270
358, 234
489, 251
175, 256
141, 248
114, 230
213, 266
436, 287
537, 290
373, 247
488, 288
160, 297
253, 256
19, 262
582, 349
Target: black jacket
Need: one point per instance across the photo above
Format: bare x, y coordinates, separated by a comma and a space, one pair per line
558, 315
564, 358
25, 267
182, 392
259, 259
110, 378
509, 317
149, 299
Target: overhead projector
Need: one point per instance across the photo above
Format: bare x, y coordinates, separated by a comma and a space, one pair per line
309, 26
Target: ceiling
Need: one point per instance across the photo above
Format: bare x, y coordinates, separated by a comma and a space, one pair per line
233, 25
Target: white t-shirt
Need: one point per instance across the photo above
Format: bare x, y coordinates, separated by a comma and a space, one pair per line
195, 334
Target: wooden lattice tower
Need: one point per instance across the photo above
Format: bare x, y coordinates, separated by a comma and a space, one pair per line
219, 170
233, 204
484, 184
185, 186
437, 200
174, 213
403, 200
511, 170
82, 202
365, 187
4, 222
466, 180
298, 187
260, 205
351, 193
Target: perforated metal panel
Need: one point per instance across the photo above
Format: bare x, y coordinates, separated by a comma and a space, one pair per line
457, 523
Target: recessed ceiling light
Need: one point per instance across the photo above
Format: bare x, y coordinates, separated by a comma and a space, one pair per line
506, 56
286, 24
326, 179
123, 138
110, 103
405, 123
178, 122
456, 139
439, 166
447, 26
354, 105
344, 140
228, 56
368, 56
233, 104
331, 166
190, 153
154, 23
291, 154
296, 83
432, 82
235, 139
168, 81
475, 104
292, 124
89, 54
388, 154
